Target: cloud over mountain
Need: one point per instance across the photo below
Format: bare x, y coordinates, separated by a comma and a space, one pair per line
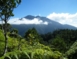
64, 18
27, 21
42, 24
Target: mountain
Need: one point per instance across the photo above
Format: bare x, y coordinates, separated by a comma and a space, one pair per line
47, 26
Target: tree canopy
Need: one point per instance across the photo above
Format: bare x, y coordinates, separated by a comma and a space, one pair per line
6, 11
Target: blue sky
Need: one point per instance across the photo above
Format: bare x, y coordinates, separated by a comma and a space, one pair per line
62, 11
45, 7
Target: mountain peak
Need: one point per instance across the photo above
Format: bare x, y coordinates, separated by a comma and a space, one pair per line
37, 16
43, 25
30, 17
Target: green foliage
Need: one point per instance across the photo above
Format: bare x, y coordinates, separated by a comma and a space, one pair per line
1, 43
59, 44
7, 6
60, 39
72, 52
33, 54
2, 26
32, 36
28, 51
19, 48
15, 31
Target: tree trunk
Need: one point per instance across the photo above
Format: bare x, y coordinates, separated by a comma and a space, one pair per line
5, 35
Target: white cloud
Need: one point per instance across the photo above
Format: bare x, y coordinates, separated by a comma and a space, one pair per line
64, 18
0, 22
26, 21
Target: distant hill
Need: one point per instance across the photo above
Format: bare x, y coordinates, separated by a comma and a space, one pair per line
41, 28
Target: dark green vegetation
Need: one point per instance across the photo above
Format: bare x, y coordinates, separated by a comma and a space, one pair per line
64, 41
59, 44
26, 48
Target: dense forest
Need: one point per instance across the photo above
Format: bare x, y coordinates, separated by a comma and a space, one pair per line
59, 44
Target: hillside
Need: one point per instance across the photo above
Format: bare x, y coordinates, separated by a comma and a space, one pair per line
46, 25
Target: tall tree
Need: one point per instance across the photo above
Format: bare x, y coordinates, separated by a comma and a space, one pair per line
6, 11
32, 36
